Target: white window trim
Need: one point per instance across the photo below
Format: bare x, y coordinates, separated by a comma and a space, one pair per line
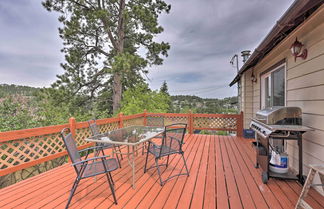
263, 84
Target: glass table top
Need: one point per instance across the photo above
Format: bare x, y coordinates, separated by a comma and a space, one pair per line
131, 135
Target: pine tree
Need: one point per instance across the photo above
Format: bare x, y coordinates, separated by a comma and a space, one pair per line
164, 88
101, 42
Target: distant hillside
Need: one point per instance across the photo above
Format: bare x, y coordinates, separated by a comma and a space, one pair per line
179, 103
7, 90
184, 103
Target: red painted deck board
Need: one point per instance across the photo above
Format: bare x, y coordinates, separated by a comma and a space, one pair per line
222, 175
175, 195
210, 188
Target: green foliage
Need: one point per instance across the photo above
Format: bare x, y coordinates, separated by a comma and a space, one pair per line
164, 88
136, 99
51, 111
184, 103
223, 133
8, 90
19, 110
14, 114
187, 109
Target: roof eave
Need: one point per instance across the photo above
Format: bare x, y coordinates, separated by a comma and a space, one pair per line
291, 13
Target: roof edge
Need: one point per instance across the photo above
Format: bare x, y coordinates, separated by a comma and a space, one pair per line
290, 14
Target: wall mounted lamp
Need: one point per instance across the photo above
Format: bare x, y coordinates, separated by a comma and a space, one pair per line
296, 50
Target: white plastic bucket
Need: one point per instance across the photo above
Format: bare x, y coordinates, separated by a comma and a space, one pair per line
283, 167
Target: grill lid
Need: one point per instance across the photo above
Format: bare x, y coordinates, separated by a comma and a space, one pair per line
280, 115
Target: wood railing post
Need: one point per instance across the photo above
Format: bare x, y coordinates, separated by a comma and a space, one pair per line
72, 123
120, 116
72, 127
239, 131
145, 119
190, 122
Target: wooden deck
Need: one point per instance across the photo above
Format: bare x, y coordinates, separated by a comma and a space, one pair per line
222, 175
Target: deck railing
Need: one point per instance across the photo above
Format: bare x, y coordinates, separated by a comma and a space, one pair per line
22, 149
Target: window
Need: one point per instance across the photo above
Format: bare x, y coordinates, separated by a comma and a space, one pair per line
273, 87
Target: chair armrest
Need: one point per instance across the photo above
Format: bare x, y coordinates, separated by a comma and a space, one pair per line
90, 159
154, 145
173, 138
89, 148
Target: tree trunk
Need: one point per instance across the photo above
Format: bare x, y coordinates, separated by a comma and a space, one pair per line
117, 92
117, 85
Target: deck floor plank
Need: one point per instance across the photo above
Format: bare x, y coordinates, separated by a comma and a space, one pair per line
198, 194
189, 187
210, 184
252, 185
222, 175
222, 194
232, 184
173, 199
28, 191
245, 192
272, 194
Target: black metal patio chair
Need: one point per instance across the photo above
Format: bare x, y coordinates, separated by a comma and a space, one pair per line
172, 142
88, 167
100, 147
153, 120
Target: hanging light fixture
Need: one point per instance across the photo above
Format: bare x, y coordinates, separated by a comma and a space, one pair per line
296, 50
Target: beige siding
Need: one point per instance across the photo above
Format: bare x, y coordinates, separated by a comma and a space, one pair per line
247, 95
304, 87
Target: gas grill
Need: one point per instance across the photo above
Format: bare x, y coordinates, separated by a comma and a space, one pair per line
277, 120
277, 124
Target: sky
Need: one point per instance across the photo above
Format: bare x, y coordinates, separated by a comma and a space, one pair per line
203, 34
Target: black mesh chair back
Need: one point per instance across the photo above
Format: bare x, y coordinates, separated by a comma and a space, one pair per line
155, 120
101, 146
93, 127
172, 141
87, 167
71, 147
95, 131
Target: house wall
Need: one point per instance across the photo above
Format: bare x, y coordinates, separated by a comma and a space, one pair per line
246, 98
304, 87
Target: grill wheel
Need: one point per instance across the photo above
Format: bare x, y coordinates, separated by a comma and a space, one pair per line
265, 177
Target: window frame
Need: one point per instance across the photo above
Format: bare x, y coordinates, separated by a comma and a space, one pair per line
267, 74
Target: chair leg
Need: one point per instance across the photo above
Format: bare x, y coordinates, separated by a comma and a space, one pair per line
185, 163
111, 185
301, 203
117, 157
167, 163
103, 153
75, 185
322, 179
159, 172
143, 148
112, 181
147, 153
121, 156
